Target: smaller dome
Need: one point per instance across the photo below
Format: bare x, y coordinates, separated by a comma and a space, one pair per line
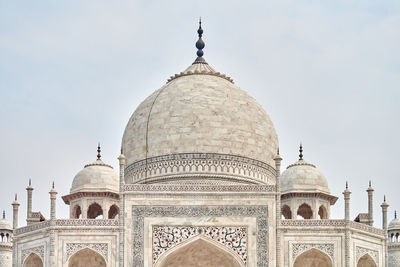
394, 224
96, 177
303, 177
5, 224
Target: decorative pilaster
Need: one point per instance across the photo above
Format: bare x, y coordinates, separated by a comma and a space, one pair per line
29, 190
346, 194
53, 195
370, 191
121, 217
278, 160
384, 207
15, 205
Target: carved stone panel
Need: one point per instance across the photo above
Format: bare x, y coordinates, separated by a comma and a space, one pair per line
232, 237
258, 212
72, 248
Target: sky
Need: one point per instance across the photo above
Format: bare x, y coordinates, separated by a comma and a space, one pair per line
326, 72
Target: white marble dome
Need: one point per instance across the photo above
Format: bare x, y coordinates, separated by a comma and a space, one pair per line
394, 224
200, 111
96, 177
5, 224
303, 177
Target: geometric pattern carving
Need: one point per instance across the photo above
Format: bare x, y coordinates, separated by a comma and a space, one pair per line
328, 249
360, 251
186, 163
101, 248
39, 250
259, 212
198, 188
233, 237
394, 260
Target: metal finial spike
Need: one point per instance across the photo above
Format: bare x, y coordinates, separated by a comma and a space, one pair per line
98, 151
347, 185
53, 184
395, 214
4, 214
200, 45
301, 152
384, 198
30, 182
369, 183
278, 151
15, 196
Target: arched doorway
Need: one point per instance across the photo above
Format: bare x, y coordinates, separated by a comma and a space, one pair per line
33, 260
86, 258
199, 253
313, 258
77, 212
366, 261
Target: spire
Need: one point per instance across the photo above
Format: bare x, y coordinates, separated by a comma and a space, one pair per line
301, 152
15, 196
53, 185
347, 185
30, 182
4, 214
384, 198
395, 214
98, 151
200, 45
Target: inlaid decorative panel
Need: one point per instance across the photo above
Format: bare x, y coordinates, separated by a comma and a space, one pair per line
232, 237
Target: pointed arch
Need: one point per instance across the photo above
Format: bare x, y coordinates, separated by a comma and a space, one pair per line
77, 212
366, 261
94, 211
199, 251
33, 260
313, 258
286, 212
113, 211
86, 257
322, 212
305, 211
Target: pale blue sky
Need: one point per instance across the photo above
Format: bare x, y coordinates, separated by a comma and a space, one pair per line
327, 73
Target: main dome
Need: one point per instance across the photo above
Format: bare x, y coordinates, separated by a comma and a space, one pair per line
199, 111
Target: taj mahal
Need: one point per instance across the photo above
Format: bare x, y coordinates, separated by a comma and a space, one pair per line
199, 184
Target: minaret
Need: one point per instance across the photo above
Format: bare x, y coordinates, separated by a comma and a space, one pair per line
29, 190
15, 205
346, 194
384, 207
53, 196
370, 191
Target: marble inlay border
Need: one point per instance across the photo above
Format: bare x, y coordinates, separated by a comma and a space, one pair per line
232, 237
198, 188
72, 248
197, 163
39, 250
360, 251
141, 212
299, 248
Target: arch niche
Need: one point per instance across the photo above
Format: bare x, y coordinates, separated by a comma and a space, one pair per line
33, 260
200, 253
86, 258
286, 212
366, 261
95, 211
313, 258
113, 212
305, 211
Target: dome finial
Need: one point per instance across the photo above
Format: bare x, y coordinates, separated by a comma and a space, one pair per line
395, 214
98, 151
200, 45
347, 185
4, 214
301, 152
